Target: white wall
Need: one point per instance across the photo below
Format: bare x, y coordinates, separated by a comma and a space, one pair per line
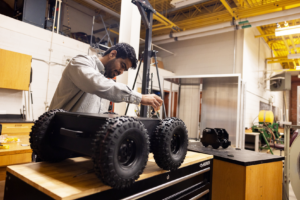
256, 51
24, 38
205, 55
215, 55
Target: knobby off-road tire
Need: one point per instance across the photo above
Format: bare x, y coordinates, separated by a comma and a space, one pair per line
41, 141
225, 144
121, 151
170, 143
204, 144
216, 145
113, 113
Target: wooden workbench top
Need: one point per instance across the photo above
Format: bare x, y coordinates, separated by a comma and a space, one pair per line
17, 147
57, 179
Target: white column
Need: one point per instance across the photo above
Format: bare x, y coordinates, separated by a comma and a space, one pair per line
130, 26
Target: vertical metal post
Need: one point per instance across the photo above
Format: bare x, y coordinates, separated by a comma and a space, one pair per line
178, 98
54, 20
147, 60
151, 87
137, 74
15, 7
58, 18
161, 90
286, 177
107, 33
91, 40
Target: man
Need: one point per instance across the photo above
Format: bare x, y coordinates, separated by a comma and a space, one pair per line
85, 79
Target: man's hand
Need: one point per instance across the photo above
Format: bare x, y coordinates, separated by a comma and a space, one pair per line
152, 100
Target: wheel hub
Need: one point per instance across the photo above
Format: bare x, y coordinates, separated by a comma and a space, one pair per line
175, 143
126, 152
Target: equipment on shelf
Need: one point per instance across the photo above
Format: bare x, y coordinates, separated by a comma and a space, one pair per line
268, 130
215, 137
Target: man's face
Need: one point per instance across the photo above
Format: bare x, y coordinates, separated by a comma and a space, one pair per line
116, 66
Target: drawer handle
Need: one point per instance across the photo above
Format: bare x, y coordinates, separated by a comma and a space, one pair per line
200, 195
160, 187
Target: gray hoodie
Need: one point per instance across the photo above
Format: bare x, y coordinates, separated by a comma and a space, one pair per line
83, 82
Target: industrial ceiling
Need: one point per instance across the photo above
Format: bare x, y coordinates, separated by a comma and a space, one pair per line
210, 12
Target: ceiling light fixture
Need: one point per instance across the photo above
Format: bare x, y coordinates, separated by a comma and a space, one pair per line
184, 3
287, 30
294, 56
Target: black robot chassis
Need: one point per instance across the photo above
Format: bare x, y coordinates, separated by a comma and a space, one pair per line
215, 137
118, 145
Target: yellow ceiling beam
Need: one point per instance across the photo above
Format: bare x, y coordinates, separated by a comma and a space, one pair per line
267, 8
281, 61
265, 35
197, 8
293, 44
229, 9
160, 20
160, 28
224, 16
165, 19
157, 25
286, 44
275, 58
115, 32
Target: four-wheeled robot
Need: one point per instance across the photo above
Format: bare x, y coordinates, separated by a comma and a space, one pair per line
215, 137
119, 145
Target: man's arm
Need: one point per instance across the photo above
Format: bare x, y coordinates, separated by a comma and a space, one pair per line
89, 80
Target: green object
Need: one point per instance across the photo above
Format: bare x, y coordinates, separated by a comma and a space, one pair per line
243, 22
265, 136
246, 26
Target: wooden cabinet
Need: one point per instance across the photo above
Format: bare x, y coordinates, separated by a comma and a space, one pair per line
14, 70
16, 129
16, 154
244, 175
232, 181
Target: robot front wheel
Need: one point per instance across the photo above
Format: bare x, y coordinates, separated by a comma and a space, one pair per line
121, 151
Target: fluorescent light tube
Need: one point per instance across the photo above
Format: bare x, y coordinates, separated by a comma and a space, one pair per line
287, 30
182, 3
294, 56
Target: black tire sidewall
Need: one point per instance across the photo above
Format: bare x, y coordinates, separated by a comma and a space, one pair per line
182, 151
161, 142
141, 150
41, 140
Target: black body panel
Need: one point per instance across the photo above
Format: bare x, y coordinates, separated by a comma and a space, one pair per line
76, 131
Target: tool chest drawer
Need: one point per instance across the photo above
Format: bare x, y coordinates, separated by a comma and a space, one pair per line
191, 182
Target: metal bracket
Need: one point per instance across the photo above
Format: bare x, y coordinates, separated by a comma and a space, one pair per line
145, 4
144, 16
